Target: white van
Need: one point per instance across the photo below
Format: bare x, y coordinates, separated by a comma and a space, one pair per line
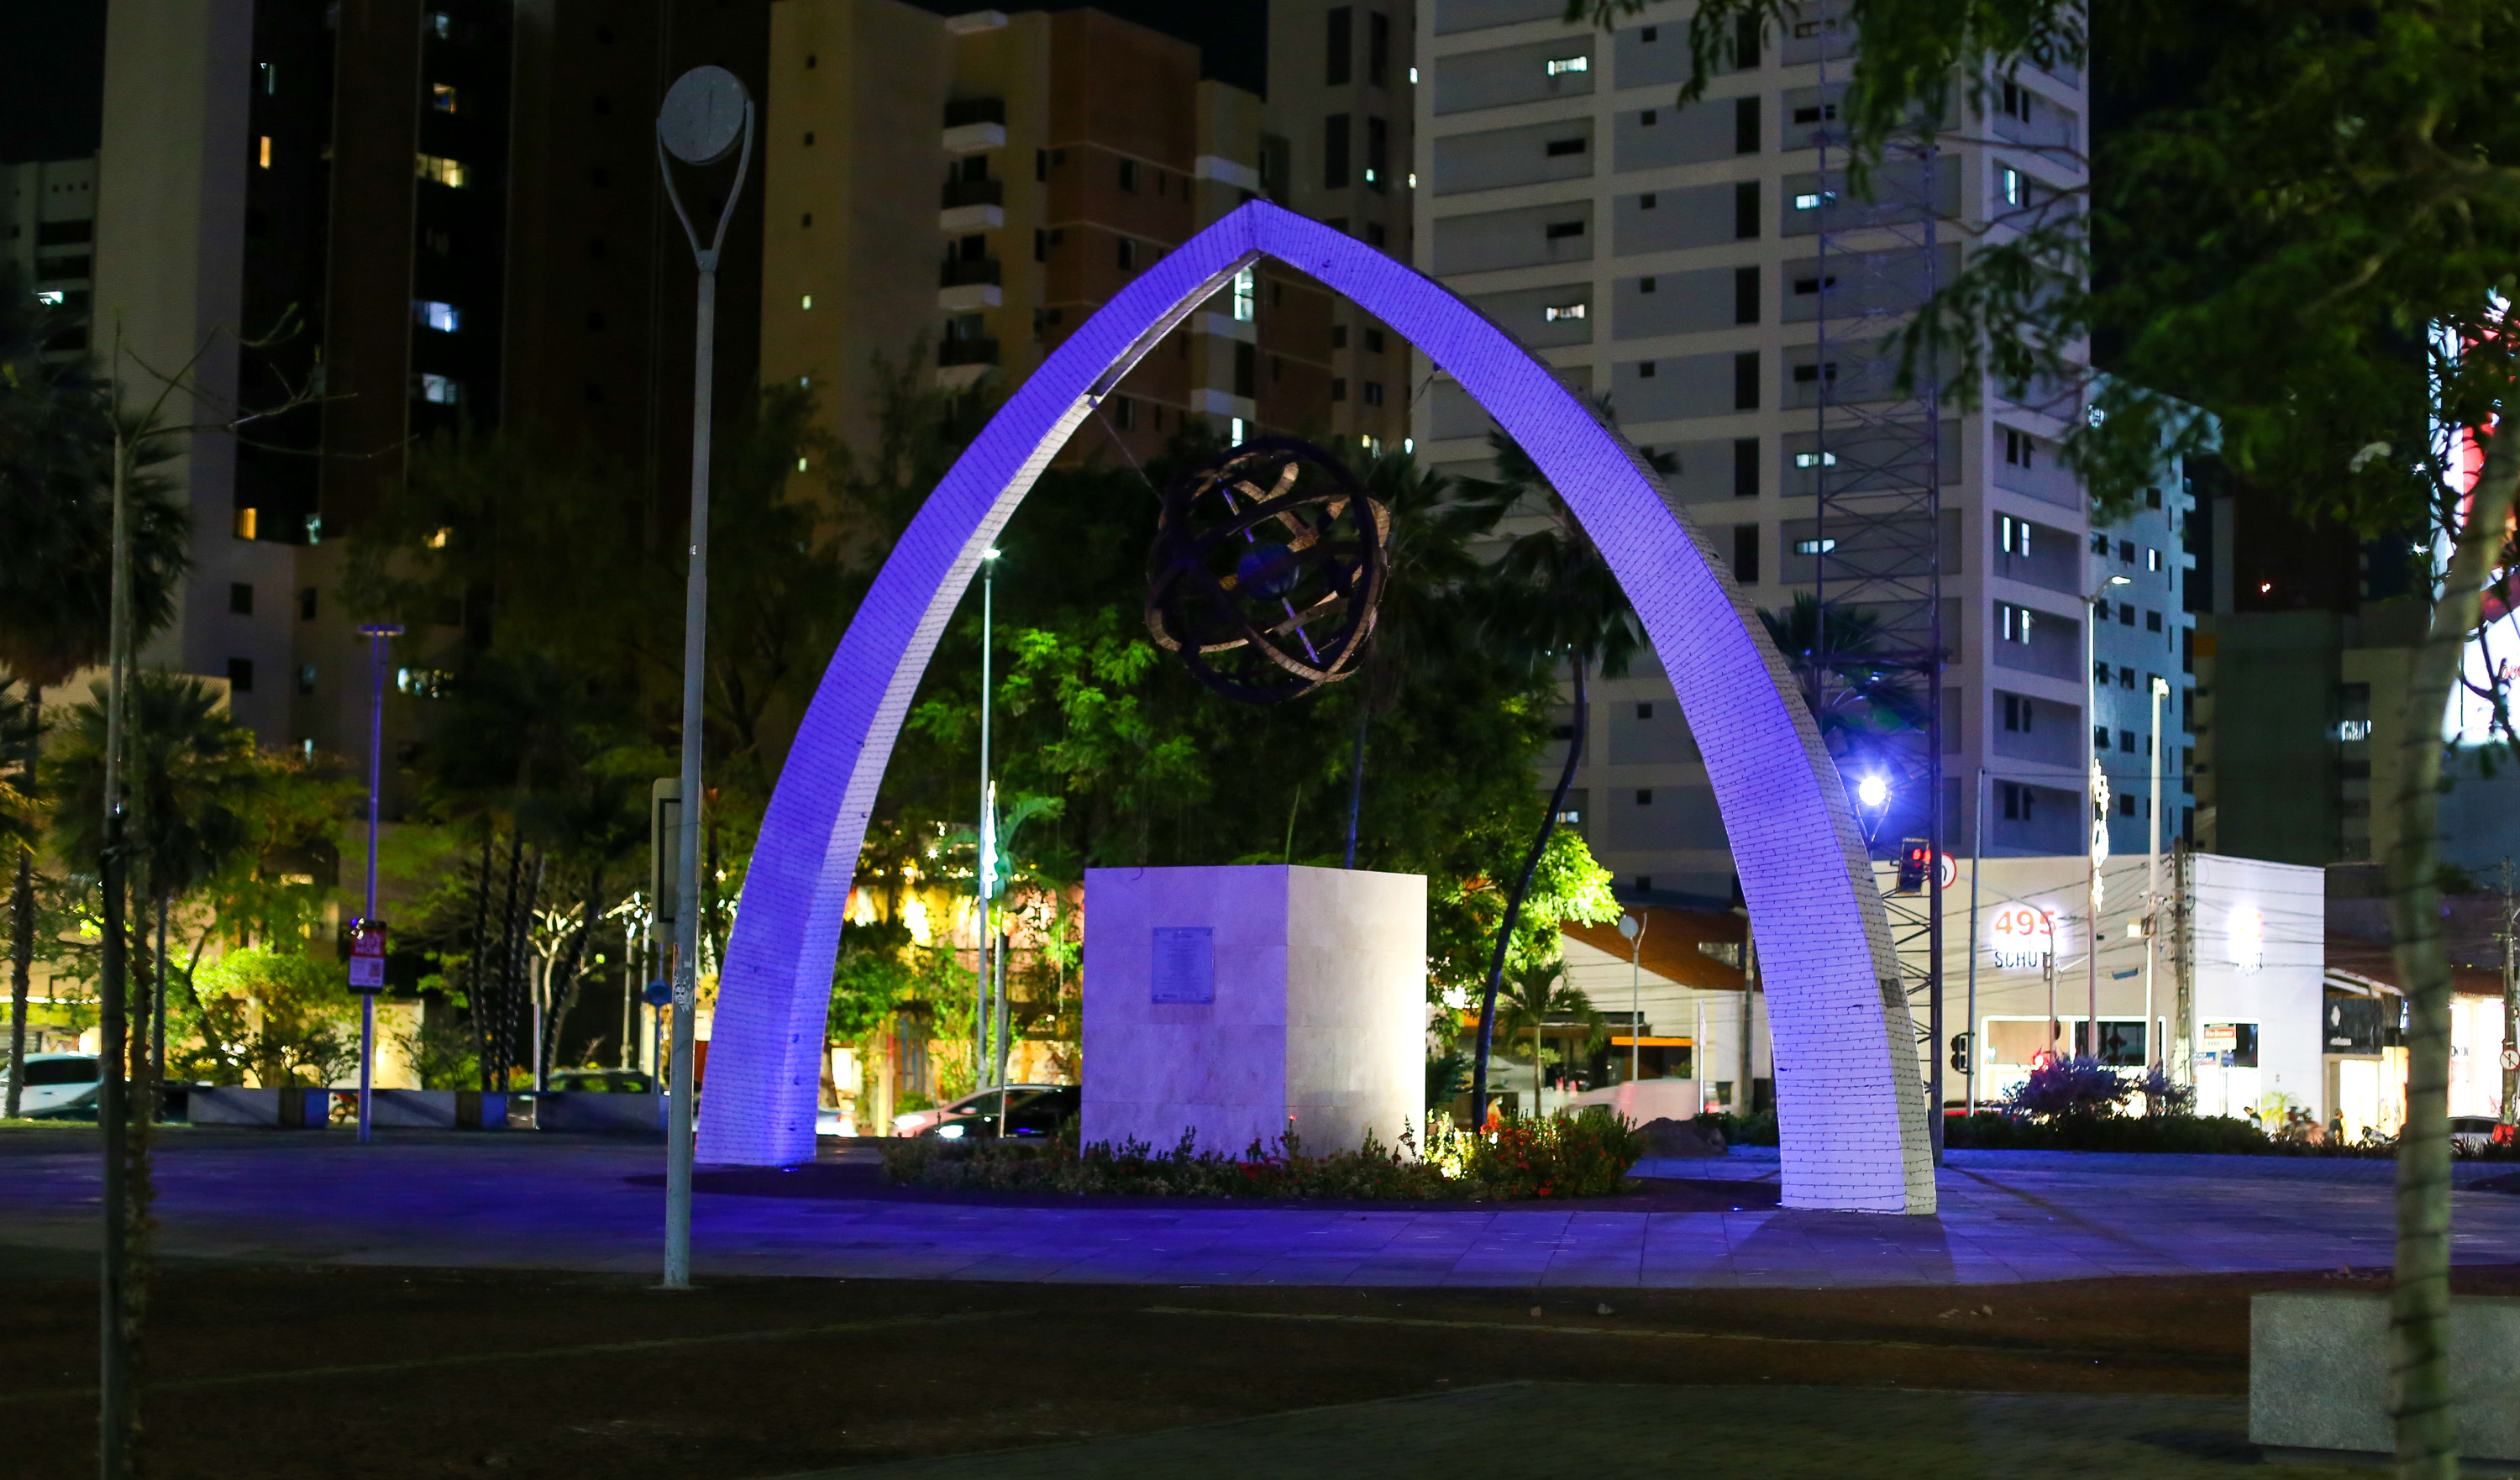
58, 1083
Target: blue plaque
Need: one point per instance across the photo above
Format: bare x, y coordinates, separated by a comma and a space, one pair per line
1184, 965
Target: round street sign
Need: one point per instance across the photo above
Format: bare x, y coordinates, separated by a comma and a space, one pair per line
2511, 1058
703, 115
1946, 870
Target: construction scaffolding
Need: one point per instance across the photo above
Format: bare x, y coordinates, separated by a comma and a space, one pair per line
1879, 456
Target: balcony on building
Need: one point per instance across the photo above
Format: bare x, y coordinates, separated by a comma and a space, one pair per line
962, 193
975, 352
966, 274
973, 124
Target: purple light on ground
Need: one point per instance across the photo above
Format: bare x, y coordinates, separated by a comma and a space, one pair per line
1850, 1106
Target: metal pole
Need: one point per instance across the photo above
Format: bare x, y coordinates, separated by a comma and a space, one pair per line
704, 114
1977, 864
1636, 1006
116, 1400
983, 875
377, 639
2510, 1004
2152, 881
1697, 1051
2092, 820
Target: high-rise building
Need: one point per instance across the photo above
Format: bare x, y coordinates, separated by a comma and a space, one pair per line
408, 217
48, 235
1666, 258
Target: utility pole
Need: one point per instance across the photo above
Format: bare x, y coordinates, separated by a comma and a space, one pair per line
2152, 878
1977, 864
2183, 962
118, 1404
2099, 808
706, 114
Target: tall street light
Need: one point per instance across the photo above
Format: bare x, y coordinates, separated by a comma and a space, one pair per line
1633, 926
985, 874
707, 113
367, 950
2098, 794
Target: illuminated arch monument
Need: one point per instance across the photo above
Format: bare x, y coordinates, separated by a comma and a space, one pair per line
1851, 1109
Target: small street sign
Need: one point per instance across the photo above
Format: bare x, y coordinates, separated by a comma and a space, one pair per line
2511, 1058
367, 956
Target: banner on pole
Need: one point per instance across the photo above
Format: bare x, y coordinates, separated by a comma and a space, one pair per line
367, 956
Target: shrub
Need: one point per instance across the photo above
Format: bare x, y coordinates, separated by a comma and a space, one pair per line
1580, 1155
2082, 1087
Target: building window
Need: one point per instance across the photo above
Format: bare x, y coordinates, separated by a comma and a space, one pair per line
2126, 742
443, 98
1745, 568
1745, 381
1374, 234
1246, 295
307, 604
2011, 535
1378, 153
1745, 468
1746, 210
439, 390
2018, 714
2012, 623
1557, 311
307, 678
2015, 103
241, 675
1645, 369
1128, 255
2126, 804
1644, 796
262, 153
1645, 710
2152, 621
1814, 547
2100, 739
437, 170
2125, 613
1645, 119
2151, 557
1560, 148
1377, 49
2126, 551
241, 598
1745, 295
1372, 392
1334, 151
2007, 184
1338, 387
2125, 678
1645, 285
1129, 176
1745, 126
1341, 50
1814, 460
1123, 413
1811, 286
445, 317
2016, 448
2018, 802
1559, 67
269, 77
1559, 231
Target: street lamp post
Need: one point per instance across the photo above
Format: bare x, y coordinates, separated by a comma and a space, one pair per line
2097, 842
706, 114
1633, 926
378, 636
984, 875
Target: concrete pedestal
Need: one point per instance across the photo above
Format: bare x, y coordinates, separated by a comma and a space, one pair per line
1233, 1001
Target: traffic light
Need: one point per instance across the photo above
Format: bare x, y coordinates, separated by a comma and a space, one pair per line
1916, 864
1959, 1053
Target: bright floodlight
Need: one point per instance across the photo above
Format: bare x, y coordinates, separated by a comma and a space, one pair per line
1873, 791
2121, 580
703, 115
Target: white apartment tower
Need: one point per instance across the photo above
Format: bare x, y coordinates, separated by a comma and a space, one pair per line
1667, 258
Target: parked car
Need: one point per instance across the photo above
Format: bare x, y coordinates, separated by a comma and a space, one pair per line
60, 1084
2474, 1133
1031, 1110
603, 1081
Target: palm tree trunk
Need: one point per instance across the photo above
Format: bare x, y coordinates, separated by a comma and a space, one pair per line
2420, 1306
1513, 903
1356, 776
473, 979
22, 967
503, 1021
21, 932
571, 976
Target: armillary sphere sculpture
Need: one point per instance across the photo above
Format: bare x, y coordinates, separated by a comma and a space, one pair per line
1266, 570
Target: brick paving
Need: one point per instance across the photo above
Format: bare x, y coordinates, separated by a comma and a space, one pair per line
1543, 1430
521, 1200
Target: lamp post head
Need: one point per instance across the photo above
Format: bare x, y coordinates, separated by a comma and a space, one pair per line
702, 116
989, 554
381, 629
2121, 580
1629, 927
1873, 791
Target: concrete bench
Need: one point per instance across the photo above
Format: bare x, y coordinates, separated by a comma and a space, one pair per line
2318, 1377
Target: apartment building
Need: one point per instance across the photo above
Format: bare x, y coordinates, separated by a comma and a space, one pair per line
1666, 258
48, 235
426, 215
970, 188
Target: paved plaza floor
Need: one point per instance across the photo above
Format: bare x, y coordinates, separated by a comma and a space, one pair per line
1581, 1431
528, 1201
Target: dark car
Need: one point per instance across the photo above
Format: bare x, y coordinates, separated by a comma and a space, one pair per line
603, 1081
1032, 1113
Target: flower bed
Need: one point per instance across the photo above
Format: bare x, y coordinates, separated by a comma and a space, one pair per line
1586, 1155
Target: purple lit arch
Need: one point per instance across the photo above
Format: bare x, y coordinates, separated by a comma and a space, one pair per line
1850, 1102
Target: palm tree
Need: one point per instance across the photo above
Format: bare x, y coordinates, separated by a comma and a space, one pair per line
1853, 695
56, 454
1419, 625
1538, 995
21, 822
1554, 600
